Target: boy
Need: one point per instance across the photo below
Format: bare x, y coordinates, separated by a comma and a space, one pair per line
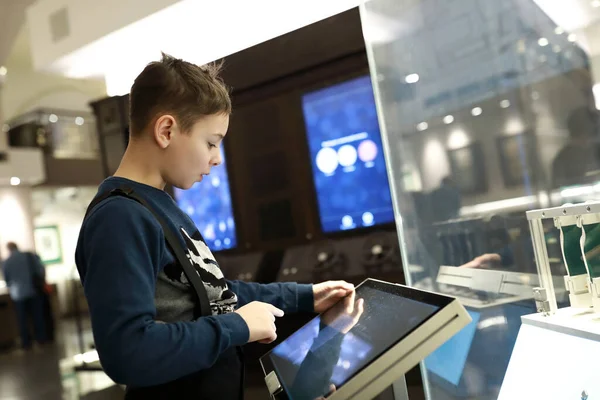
140, 301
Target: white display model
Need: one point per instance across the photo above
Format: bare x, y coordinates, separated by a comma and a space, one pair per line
555, 357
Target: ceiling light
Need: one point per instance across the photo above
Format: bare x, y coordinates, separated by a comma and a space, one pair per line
505, 104
79, 121
448, 119
572, 37
476, 111
5, 128
412, 78
14, 181
53, 118
543, 42
558, 30
556, 48
3, 70
422, 126
596, 3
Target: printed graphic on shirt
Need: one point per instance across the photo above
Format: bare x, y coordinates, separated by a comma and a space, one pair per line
222, 300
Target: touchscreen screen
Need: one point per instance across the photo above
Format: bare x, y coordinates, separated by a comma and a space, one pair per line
332, 348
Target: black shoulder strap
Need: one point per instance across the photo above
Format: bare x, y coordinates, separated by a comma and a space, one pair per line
173, 242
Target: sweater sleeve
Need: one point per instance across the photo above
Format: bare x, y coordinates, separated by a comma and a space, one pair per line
118, 256
288, 296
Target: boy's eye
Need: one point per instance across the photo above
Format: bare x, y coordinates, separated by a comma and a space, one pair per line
211, 145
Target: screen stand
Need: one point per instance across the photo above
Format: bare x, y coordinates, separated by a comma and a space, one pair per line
400, 390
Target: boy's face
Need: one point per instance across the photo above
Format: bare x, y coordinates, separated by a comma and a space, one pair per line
191, 155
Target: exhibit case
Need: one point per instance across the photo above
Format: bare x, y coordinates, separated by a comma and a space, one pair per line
488, 120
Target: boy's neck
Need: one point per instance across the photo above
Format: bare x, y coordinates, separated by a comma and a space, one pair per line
136, 166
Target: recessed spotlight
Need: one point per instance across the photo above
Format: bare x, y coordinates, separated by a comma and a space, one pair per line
505, 104
572, 37
3, 70
412, 78
543, 42
448, 119
53, 118
596, 3
556, 48
476, 111
79, 121
14, 181
422, 126
558, 30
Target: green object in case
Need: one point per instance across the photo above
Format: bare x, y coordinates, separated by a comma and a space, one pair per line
592, 249
572, 250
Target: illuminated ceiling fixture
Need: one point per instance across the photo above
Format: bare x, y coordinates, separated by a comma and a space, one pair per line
543, 42
422, 126
79, 121
572, 37
476, 111
556, 48
505, 104
53, 118
3, 70
558, 30
14, 181
412, 78
596, 3
448, 119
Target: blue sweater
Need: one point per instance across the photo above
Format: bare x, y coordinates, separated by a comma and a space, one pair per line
140, 302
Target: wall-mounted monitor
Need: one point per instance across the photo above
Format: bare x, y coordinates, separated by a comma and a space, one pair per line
348, 164
208, 203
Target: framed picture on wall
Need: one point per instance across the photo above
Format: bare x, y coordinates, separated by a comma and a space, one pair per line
518, 159
468, 168
48, 244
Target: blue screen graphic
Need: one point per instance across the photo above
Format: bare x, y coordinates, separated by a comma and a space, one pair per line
448, 361
208, 203
347, 158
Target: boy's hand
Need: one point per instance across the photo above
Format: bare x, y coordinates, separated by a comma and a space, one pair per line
260, 318
328, 293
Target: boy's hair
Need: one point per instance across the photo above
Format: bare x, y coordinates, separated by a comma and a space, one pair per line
176, 87
12, 246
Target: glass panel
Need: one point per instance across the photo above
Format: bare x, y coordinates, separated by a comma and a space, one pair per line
487, 111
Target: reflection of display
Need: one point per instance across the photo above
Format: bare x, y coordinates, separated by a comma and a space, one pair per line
468, 168
349, 169
208, 203
448, 361
47, 244
517, 154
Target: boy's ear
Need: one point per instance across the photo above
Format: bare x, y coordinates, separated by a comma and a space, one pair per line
163, 129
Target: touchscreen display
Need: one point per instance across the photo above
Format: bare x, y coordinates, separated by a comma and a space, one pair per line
208, 204
332, 348
348, 165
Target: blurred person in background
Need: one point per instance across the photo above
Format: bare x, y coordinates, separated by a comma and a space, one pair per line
25, 277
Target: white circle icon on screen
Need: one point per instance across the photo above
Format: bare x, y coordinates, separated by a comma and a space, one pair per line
217, 243
347, 221
368, 218
327, 160
227, 241
347, 155
222, 226
216, 182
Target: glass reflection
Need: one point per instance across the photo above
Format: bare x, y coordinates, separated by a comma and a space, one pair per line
501, 120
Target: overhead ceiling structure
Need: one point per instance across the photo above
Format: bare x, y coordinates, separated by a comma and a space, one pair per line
87, 39
12, 16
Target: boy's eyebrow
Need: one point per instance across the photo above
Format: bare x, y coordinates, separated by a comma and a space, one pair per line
220, 135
